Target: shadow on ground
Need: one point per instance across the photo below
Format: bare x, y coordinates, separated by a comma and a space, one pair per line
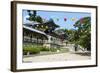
83, 53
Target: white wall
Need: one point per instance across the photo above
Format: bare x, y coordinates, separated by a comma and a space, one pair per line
5, 37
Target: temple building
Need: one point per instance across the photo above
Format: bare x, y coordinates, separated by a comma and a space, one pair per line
42, 34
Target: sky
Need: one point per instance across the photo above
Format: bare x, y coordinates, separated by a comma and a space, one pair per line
58, 17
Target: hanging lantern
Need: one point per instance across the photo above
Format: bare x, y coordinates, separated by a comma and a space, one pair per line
65, 19
81, 21
42, 26
37, 25
73, 19
46, 27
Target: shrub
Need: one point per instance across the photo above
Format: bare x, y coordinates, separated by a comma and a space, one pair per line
53, 49
35, 50
31, 50
45, 49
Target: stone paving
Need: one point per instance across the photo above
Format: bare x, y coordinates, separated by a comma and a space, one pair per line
55, 57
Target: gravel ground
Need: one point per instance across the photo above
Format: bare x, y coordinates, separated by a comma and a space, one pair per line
55, 57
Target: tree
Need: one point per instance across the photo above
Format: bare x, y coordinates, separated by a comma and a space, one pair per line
83, 32
34, 17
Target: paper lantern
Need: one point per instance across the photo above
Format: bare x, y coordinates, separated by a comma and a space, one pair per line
81, 21
42, 26
37, 25
73, 19
65, 19
46, 27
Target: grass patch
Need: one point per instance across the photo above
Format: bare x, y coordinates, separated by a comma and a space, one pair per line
31, 50
53, 49
34, 49
44, 49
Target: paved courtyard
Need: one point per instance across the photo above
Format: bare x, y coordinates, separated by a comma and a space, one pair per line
55, 57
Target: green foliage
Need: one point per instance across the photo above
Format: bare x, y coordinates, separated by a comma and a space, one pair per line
71, 35
34, 49
44, 49
83, 32
31, 50
38, 19
53, 49
84, 41
34, 17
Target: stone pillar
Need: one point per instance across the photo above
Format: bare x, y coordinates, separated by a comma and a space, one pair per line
49, 39
48, 43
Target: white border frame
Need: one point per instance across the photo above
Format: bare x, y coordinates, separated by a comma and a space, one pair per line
21, 65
